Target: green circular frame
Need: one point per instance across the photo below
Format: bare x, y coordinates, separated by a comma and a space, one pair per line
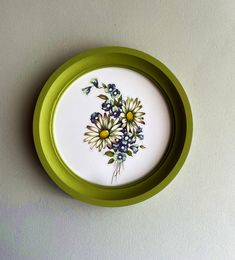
181, 123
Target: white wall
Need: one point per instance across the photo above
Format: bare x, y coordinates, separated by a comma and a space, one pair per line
194, 217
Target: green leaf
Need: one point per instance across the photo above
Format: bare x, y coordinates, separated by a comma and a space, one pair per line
115, 102
120, 99
111, 161
142, 146
109, 154
103, 97
129, 153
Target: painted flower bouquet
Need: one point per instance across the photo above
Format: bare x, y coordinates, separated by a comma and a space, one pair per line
118, 130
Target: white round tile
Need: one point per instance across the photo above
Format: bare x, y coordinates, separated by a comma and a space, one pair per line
72, 115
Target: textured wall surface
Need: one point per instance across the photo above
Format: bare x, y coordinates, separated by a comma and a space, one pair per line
194, 217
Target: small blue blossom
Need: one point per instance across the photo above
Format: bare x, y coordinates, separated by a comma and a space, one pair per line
120, 157
119, 104
111, 87
86, 90
122, 147
94, 117
133, 140
115, 94
124, 130
107, 105
115, 112
139, 130
134, 148
139, 133
141, 137
115, 146
124, 142
126, 139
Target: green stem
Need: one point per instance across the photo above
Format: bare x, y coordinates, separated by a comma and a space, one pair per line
117, 170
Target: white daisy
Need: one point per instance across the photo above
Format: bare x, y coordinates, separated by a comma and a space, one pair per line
104, 132
131, 114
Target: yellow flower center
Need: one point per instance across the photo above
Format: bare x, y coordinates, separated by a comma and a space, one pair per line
104, 134
129, 116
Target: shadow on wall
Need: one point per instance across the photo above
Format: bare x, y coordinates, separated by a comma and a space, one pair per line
26, 117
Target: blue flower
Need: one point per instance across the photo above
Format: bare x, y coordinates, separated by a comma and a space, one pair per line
107, 105
86, 90
94, 117
120, 157
141, 137
133, 140
139, 133
124, 130
134, 148
122, 147
126, 139
139, 130
116, 93
115, 112
119, 104
114, 146
111, 87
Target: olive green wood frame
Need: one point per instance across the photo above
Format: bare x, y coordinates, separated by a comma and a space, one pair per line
181, 123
